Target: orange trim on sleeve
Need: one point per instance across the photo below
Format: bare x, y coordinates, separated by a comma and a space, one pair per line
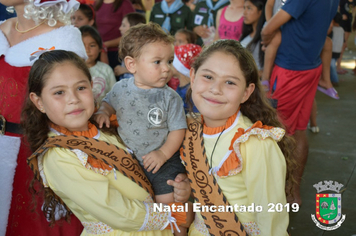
231, 163
241, 131
181, 217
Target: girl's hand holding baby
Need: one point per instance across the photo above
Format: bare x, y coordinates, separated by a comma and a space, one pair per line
102, 116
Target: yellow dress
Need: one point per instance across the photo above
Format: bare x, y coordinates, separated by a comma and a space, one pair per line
258, 180
106, 202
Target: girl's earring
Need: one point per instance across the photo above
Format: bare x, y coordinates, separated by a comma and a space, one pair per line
42, 110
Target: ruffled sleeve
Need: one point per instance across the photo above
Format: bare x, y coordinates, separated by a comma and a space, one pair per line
233, 163
264, 174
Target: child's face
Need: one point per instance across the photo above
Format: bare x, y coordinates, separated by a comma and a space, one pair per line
251, 13
218, 88
92, 49
180, 39
78, 19
67, 97
125, 26
153, 68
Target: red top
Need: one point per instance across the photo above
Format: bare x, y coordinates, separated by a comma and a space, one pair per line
109, 22
13, 83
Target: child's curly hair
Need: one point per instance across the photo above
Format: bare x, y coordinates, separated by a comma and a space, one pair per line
138, 36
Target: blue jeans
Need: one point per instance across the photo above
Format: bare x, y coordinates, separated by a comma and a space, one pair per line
333, 73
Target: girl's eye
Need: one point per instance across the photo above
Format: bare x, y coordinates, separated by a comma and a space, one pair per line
208, 76
157, 62
58, 93
82, 88
170, 61
93, 45
230, 82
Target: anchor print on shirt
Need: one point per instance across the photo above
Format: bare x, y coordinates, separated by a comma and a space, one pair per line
155, 116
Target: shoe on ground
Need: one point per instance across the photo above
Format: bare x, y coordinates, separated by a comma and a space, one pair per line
314, 129
331, 92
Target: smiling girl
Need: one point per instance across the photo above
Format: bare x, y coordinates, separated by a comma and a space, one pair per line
243, 148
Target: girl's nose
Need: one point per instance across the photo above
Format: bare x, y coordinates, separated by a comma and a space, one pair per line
73, 98
215, 87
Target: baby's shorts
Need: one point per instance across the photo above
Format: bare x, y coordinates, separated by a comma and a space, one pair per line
169, 170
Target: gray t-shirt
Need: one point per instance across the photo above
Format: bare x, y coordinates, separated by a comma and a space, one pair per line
145, 116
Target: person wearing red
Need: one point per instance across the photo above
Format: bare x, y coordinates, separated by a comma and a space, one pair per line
22, 40
297, 69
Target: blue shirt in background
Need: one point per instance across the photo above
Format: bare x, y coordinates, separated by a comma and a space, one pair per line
303, 36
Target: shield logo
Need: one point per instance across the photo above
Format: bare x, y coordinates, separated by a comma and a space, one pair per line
328, 208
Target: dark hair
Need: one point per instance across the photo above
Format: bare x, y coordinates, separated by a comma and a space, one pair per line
137, 4
135, 18
140, 35
87, 30
337, 18
36, 124
190, 35
247, 30
98, 3
257, 107
88, 11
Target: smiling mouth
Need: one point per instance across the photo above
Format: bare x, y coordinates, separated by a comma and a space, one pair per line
213, 101
76, 112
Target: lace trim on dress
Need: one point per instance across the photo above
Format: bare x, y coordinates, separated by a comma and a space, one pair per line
251, 228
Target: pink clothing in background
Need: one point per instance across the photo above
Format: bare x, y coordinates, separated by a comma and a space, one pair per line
228, 29
109, 22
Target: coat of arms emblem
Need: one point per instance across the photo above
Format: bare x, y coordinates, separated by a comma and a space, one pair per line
328, 206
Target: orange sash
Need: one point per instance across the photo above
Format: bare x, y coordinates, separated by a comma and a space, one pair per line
102, 151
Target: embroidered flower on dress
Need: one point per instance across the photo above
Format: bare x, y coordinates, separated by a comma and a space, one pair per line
96, 227
154, 220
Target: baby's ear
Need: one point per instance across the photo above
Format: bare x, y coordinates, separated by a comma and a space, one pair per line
130, 64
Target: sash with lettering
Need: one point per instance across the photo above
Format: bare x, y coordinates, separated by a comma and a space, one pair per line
110, 154
205, 188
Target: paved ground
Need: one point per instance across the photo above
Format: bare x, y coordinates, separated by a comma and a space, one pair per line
332, 156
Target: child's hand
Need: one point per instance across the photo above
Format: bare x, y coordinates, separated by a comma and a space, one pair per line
182, 190
154, 160
102, 118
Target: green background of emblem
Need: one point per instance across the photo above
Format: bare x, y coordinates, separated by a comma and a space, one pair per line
328, 200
